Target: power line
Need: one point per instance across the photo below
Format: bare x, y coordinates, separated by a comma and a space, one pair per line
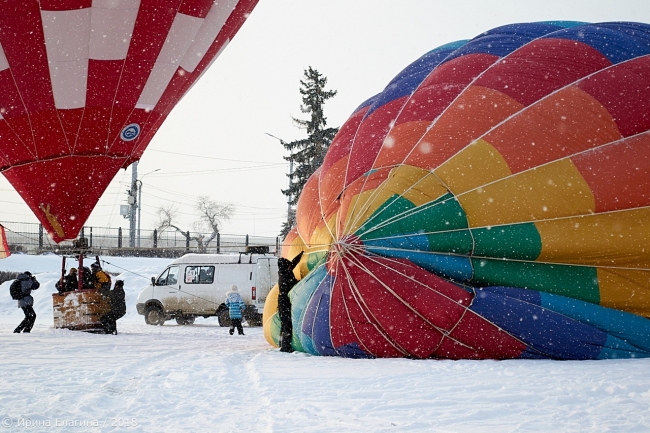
222, 170
210, 157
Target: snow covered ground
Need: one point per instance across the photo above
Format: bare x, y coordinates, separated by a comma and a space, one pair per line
199, 379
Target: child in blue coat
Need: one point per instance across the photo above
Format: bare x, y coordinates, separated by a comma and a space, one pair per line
236, 307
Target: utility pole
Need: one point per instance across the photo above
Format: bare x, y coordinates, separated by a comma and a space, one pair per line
133, 202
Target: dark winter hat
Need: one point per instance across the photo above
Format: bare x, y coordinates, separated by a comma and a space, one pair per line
119, 283
29, 274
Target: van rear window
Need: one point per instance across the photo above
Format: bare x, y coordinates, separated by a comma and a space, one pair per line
199, 275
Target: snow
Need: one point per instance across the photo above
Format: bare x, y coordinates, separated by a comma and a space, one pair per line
200, 379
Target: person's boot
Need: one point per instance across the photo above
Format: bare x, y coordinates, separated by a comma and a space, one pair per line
232, 331
17, 330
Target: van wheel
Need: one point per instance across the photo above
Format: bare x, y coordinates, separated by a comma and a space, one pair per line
185, 320
224, 318
154, 316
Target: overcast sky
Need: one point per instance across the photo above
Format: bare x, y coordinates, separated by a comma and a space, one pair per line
214, 141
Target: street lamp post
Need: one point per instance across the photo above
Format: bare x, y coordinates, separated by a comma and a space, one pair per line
140, 200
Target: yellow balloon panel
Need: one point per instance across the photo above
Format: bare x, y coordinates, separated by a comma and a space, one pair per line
476, 165
620, 239
552, 191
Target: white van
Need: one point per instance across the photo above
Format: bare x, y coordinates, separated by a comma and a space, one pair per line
196, 285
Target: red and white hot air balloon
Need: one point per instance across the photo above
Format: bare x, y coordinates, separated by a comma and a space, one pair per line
85, 85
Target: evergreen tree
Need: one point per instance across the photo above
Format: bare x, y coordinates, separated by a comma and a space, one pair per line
288, 224
308, 154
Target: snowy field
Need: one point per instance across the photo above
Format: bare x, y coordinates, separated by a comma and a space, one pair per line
199, 379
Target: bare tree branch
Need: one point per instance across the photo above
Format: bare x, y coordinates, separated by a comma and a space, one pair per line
166, 214
211, 215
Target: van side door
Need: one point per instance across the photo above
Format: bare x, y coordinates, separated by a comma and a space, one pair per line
167, 289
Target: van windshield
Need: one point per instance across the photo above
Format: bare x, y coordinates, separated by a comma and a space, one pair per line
169, 277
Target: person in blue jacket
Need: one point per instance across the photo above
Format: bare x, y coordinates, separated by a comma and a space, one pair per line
236, 307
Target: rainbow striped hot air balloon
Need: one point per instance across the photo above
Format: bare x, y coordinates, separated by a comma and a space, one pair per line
492, 202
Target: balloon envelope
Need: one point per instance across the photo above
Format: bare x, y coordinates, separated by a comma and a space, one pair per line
491, 202
85, 85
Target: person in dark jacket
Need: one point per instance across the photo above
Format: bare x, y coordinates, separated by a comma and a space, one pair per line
118, 308
70, 282
27, 283
286, 281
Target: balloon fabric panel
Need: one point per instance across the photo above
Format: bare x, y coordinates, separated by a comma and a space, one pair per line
490, 203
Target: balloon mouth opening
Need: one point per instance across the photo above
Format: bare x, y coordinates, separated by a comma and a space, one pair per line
345, 246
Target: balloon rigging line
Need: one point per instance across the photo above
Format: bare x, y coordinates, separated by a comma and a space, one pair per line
127, 270
375, 193
56, 157
114, 265
29, 119
149, 278
465, 307
358, 299
107, 143
441, 330
345, 306
20, 234
340, 265
406, 214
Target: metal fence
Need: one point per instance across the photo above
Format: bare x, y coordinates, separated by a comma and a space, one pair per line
31, 238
